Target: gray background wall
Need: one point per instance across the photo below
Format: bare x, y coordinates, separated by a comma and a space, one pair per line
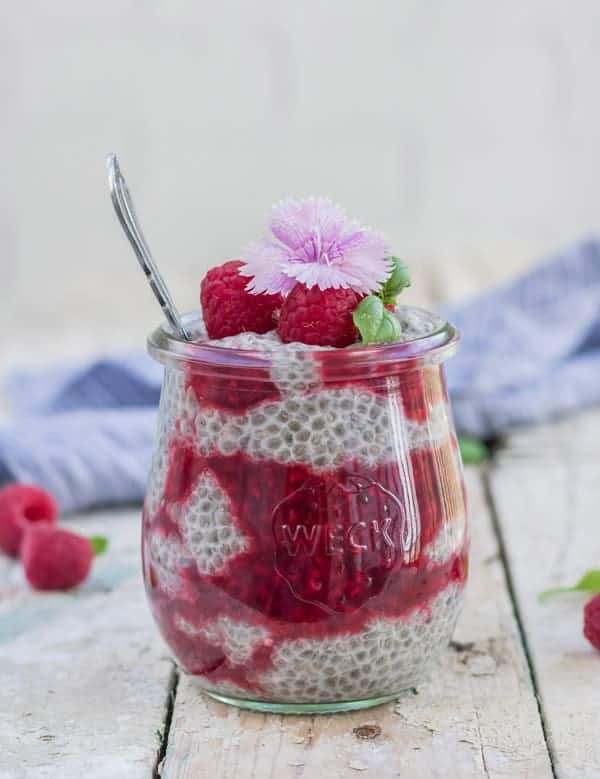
466, 130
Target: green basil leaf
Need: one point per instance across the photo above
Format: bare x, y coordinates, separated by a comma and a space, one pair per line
472, 450
399, 279
589, 582
389, 330
99, 544
367, 317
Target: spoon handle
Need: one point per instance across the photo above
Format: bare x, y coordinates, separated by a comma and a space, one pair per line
123, 205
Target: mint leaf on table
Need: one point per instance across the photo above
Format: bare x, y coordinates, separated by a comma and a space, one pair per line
399, 279
589, 583
472, 450
99, 544
374, 322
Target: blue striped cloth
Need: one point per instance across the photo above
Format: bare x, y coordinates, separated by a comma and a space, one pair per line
530, 351
84, 433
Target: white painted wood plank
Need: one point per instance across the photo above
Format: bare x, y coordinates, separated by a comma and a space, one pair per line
571, 439
546, 488
83, 674
476, 717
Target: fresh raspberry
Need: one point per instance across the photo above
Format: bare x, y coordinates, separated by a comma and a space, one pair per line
229, 309
321, 317
54, 558
591, 621
21, 504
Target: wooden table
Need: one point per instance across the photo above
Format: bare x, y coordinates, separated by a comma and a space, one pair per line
88, 690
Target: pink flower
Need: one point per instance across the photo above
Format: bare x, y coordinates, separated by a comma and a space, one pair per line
313, 242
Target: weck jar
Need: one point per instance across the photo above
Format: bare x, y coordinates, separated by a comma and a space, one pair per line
305, 544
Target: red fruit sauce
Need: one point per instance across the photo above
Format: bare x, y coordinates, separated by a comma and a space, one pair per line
327, 551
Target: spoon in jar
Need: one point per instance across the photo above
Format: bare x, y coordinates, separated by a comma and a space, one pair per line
123, 205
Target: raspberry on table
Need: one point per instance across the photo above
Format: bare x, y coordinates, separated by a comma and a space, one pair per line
20, 505
54, 558
228, 308
320, 317
591, 621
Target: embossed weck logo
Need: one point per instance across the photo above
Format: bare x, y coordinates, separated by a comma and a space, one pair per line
337, 541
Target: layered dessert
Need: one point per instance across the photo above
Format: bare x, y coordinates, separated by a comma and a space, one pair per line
304, 535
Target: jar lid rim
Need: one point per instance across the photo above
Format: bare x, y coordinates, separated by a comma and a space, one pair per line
168, 348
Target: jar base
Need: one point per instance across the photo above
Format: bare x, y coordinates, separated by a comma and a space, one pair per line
302, 708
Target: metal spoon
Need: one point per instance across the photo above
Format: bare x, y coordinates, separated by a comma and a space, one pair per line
131, 227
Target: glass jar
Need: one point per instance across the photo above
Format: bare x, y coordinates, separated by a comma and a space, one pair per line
304, 533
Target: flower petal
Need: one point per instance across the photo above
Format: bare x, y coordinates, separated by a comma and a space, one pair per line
314, 243
287, 223
262, 263
322, 276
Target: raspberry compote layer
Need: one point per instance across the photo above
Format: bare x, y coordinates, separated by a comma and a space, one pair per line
304, 527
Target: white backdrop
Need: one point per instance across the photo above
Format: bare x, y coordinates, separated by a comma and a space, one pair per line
467, 131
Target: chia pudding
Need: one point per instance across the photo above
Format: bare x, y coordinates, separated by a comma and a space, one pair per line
304, 529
